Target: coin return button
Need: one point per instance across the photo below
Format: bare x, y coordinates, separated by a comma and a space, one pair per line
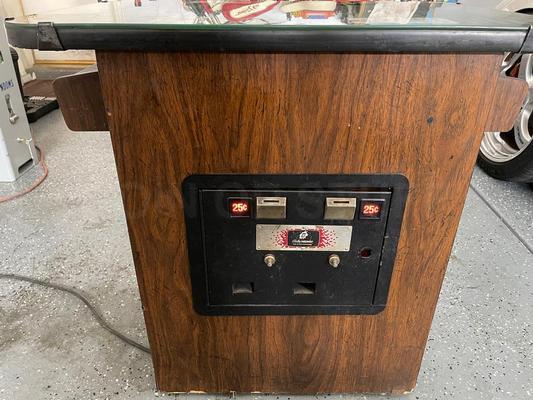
271, 208
340, 208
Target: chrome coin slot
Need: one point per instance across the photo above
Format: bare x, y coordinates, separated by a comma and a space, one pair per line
338, 208
271, 208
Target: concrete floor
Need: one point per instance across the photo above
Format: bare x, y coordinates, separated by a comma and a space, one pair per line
72, 231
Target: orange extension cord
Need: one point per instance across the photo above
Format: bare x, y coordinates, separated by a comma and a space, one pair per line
40, 180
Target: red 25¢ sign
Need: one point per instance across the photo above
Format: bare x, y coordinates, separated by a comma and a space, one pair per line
239, 207
371, 209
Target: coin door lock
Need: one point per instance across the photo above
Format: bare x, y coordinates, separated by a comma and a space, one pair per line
340, 208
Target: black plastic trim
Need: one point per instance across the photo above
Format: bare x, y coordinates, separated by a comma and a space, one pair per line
527, 46
47, 37
263, 39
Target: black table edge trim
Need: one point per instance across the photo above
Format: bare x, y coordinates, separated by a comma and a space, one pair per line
59, 37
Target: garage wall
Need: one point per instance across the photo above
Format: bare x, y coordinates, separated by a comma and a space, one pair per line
13, 8
46, 6
16, 8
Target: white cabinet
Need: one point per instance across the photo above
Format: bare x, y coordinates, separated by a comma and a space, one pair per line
16, 146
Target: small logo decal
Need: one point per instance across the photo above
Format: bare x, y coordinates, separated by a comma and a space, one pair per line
318, 238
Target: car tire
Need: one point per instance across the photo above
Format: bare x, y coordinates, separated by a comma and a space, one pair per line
509, 155
518, 169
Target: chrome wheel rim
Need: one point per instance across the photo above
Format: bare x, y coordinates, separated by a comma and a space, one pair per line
501, 147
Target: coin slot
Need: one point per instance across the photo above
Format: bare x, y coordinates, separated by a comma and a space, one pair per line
304, 288
243, 288
271, 208
340, 208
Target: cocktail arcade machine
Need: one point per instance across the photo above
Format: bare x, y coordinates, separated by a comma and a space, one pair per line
293, 174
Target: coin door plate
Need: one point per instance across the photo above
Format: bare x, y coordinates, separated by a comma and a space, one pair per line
244, 261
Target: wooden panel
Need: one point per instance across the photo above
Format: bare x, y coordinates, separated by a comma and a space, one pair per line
80, 100
39, 87
510, 95
172, 115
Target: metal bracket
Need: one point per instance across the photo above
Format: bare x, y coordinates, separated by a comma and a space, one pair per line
47, 38
527, 45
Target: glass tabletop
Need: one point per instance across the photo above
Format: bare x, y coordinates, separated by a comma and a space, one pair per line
272, 14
